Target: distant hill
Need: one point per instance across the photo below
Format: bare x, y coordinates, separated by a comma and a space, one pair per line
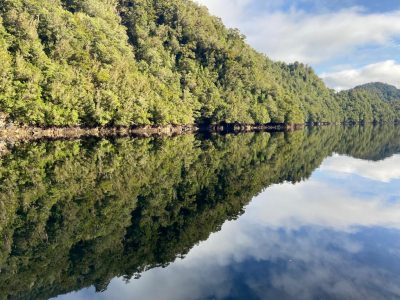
372, 102
385, 91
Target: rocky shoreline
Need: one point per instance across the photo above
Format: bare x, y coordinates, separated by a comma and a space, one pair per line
32, 133
10, 132
20, 133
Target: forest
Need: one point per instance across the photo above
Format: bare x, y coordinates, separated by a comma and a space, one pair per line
77, 213
96, 63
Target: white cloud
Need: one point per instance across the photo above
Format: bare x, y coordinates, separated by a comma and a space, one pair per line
384, 170
314, 203
309, 38
316, 38
386, 71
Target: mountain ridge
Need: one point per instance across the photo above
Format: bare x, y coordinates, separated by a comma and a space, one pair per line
386, 92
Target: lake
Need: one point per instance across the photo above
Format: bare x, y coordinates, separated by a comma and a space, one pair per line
309, 214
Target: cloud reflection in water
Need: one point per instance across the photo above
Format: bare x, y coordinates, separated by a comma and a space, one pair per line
319, 239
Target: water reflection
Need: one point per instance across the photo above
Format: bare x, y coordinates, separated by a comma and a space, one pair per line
82, 213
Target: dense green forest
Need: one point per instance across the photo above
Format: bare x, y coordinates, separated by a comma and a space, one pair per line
373, 102
79, 213
384, 91
153, 62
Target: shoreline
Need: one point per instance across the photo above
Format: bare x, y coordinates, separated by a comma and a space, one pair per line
25, 133
21, 133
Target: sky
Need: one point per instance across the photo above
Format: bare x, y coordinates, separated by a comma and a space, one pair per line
347, 42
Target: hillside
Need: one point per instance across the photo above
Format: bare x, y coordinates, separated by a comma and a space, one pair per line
385, 91
372, 102
151, 62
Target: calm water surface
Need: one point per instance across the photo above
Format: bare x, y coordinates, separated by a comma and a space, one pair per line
312, 214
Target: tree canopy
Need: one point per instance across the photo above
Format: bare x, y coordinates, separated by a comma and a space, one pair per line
152, 62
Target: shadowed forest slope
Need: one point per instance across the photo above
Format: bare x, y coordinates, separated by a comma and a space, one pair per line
79, 213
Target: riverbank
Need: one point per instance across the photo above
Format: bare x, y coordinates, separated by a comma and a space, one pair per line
32, 133
10, 132
17, 133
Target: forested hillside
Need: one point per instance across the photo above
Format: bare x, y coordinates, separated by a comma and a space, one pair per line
386, 92
362, 106
377, 93
153, 62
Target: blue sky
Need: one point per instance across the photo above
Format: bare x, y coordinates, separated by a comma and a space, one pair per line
328, 5
347, 42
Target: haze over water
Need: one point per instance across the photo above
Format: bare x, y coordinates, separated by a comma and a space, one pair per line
311, 214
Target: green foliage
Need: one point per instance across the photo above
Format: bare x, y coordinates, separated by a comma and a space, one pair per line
6, 74
78, 213
384, 91
150, 62
384, 98
360, 106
